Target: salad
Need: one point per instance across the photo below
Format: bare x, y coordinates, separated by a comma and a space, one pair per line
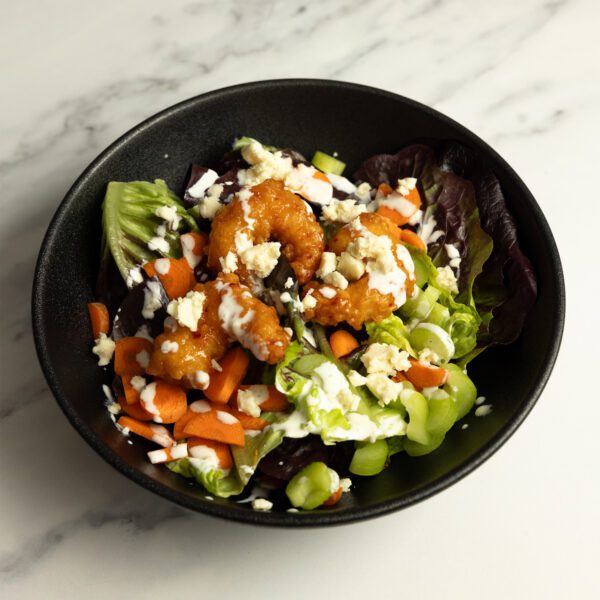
282, 325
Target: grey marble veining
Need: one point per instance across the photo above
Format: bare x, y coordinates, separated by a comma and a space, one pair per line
522, 74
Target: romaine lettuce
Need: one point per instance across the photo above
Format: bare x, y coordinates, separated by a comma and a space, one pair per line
129, 223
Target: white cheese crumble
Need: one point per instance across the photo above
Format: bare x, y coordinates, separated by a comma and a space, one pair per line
309, 301
327, 292
336, 279
229, 262
158, 244
453, 254
429, 357
350, 267
356, 379
341, 183
250, 399
328, 264
342, 211
384, 388
152, 299
211, 204
188, 310
345, 484
169, 215
104, 348
262, 258
262, 504
265, 164
289, 283
134, 277
447, 280
385, 358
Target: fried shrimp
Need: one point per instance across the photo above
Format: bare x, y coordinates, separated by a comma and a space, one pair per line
369, 274
267, 212
252, 323
230, 313
186, 355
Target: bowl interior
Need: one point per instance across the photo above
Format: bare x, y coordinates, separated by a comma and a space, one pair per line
357, 122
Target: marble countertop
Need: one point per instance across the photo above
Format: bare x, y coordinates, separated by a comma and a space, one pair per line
524, 75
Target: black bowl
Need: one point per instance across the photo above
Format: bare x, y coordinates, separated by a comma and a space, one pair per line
357, 122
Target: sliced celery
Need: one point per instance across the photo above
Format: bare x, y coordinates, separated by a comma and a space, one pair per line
443, 412
461, 388
415, 449
311, 486
328, 164
439, 315
369, 458
428, 335
421, 304
418, 413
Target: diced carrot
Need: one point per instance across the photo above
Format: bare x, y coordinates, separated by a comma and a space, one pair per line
132, 396
248, 421
137, 411
410, 237
168, 454
335, 497
342, 343
193, 246
177, 280
193, 409
166, 399
99, 318
275, 401
131, 355
218, 425
221, 450
233, 370
155, 433
392, 215
321, 176
399, 376
423, 376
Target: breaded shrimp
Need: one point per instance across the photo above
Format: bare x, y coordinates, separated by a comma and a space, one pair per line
389, 278
230, 313
192, 360
268, 212
252, 323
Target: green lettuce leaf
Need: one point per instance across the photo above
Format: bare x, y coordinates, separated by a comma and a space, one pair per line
390, 330
129, 222
224, 484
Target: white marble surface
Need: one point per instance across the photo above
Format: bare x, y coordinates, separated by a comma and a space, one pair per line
523, 74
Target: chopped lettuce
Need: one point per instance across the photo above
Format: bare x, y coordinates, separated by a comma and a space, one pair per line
130, 223
390, 330
230, 483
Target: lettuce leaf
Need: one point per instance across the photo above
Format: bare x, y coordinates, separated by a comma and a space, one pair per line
129, 222
390, 330
507, 287
224, 484
464, 197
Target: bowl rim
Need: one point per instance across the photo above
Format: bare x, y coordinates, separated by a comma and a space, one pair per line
286, 519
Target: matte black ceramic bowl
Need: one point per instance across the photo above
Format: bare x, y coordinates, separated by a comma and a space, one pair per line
357, 122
